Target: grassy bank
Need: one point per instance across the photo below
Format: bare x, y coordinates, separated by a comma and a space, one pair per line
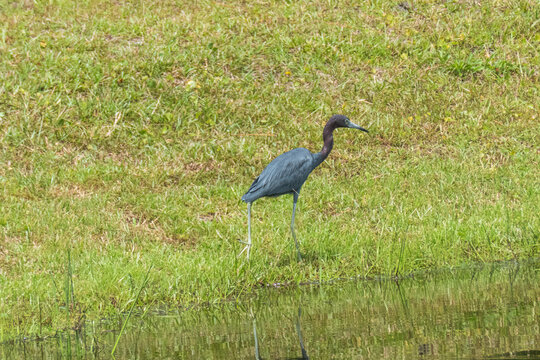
129, 132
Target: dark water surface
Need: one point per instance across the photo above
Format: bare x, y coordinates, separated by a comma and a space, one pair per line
488, 312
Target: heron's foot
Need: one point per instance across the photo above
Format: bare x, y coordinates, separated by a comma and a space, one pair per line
247, 249
299, 256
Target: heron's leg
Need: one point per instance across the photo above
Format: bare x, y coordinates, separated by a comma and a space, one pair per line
247, 248
249, 230
295, 199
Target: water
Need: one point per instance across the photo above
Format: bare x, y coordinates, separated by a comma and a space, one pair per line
489, 312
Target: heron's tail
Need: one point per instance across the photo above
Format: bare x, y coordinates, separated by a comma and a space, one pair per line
251, 195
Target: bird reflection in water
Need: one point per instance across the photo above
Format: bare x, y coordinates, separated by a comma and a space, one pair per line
298, 332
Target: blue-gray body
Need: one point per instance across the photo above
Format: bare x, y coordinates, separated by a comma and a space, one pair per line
284, 175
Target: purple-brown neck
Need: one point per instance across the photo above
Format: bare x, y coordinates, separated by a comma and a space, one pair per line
328, 139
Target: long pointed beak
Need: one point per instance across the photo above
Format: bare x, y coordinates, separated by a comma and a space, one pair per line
354, 126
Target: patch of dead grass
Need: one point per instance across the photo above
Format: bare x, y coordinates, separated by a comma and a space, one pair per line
151, 228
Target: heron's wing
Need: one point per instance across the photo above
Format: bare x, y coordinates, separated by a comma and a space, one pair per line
284, 174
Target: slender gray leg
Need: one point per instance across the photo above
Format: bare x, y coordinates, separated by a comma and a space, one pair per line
247, 248
295, 199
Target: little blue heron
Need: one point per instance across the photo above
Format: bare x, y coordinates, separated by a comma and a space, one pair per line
287, 173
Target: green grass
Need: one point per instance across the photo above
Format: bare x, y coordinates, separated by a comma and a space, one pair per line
129, 132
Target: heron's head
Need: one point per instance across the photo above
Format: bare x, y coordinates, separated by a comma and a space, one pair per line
343, 121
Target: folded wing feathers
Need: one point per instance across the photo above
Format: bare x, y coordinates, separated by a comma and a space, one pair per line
285, 173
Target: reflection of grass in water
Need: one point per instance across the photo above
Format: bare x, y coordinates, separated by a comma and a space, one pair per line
492, 307
131, 139
143, 285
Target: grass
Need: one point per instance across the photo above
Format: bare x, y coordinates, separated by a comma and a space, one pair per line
129, 132
130, 311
